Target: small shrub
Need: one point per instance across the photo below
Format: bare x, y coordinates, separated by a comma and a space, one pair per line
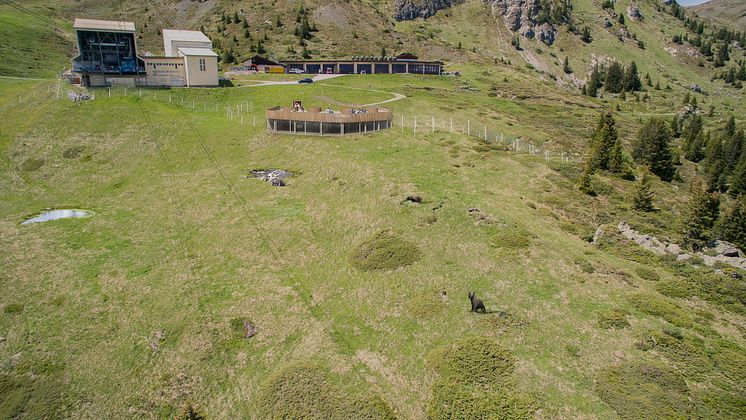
72, 152
428, 220
31, 165
13, 308
477, 360
585, 265
644, 391
572, 350
613, 318
663, 308
304, 390
513, 238
647, 273
385, 251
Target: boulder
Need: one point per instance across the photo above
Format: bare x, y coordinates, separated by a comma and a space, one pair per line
726, 248
410, 10
598, 235
546, 34
634, 12
683, 257
708, 260
673, 249
624, 226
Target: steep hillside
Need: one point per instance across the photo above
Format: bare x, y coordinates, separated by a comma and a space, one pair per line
731, 13
196, 290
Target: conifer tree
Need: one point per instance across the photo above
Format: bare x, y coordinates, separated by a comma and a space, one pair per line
715, 165
699, 217
732, 224
694, 141
733, 149
566, 66
605, 150
585, 181
586, 35
653, 148
614, 78
738, 179
631, 79
594, 82
642, 200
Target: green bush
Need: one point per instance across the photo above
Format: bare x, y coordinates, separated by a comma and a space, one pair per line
512, 238
475, 381
13, 308
31, 164
385, 251
22, 397
304, 390
477, 360
644, 391
585, 265
73, 152
661, 307
613, 318
647, 273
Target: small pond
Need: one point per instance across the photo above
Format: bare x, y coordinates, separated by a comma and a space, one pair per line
56, 215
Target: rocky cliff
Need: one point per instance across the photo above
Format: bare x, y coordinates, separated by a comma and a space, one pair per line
527, 17
413, 9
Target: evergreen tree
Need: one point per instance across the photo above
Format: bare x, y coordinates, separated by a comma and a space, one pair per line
642, 200
594, 82
614, 78
235, 17
733, 149
738, 179
652, 147
278, 22
715, 165
621, 18
586, 35
566, 66
245, 24
383, 52
732, 224
605, 150
694, 141
585, 181
631, 79
699, 217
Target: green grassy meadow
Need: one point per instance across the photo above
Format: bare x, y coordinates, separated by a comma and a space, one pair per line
130, 312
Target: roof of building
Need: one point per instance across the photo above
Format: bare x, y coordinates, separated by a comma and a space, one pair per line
179, 35
106, 25
258, 59
198, 51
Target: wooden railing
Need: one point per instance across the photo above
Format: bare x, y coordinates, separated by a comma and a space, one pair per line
372, 114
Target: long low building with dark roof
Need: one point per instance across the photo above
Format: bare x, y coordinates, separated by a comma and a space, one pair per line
401, 64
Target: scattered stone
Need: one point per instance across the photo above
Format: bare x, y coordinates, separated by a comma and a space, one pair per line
696, 88
250, 329
598, 235
634, 12
720, 272
481, 217
276, 177
546, 34
522, 16
607, 23
724, 252
156, 340
619, 354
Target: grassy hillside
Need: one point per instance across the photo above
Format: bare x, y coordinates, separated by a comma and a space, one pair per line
730, 13
358, 296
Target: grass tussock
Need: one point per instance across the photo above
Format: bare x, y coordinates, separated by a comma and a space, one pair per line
73, 152
646, 273
384, 251
22, 397
13, 308
475, 380
31, 164
613, 318
513, 238
304, 390
644, 391
661, 307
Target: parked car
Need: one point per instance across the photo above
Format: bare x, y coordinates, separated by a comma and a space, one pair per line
305, 81
296, 71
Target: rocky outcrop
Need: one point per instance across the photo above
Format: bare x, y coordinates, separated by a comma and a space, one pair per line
413, 9
719, 251
633, 12
521, 16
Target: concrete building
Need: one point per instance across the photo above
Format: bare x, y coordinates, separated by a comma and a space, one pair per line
403, 63
107, 56
260, 64
107, 53
173, 39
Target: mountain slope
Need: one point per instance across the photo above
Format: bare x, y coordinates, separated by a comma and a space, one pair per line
731, 13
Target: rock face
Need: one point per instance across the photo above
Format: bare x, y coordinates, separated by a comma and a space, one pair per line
521, 16
413, 9
633, 12
718, 252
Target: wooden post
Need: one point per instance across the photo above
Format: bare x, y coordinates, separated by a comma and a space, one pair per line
402, 123
433, 123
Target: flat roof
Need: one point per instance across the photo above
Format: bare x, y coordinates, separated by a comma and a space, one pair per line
360, 61
105, 25
180, 35
198, 51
